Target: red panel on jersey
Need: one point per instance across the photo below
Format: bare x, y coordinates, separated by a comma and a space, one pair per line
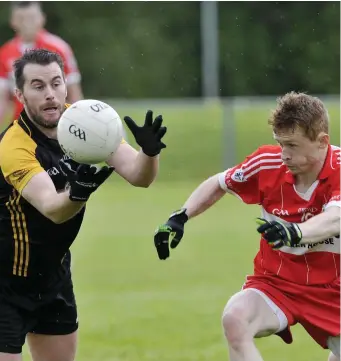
14, 48
263, 179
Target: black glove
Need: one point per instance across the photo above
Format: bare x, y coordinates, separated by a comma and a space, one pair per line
174, 227
148, 137
85, 180
278, 234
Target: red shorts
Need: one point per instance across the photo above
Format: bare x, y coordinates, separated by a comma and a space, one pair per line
315, 307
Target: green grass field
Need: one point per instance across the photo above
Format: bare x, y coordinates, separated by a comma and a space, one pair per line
133, 307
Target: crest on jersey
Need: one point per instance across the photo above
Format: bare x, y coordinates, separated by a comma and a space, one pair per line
238, 175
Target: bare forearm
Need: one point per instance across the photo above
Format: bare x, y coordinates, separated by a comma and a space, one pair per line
3, 113
321, 227
207, 194
144, 170
74, 93
60, 208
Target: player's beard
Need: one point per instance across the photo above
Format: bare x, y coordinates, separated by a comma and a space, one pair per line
39, 119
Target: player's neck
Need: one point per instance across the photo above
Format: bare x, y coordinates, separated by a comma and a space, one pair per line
27, 39
50, 133
307, 179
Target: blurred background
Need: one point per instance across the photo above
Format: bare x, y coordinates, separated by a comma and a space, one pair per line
214, 70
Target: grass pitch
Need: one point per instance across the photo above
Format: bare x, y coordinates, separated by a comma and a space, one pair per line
134, 307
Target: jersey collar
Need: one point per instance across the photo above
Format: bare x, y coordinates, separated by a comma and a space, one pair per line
36, 42
325, 172
26, 124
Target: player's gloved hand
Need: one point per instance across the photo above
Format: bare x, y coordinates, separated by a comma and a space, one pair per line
149, 136
85, 180
174, 227
277, 234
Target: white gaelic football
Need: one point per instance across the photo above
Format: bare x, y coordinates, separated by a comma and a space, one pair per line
89, 131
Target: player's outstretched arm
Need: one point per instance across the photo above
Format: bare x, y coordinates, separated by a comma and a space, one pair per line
41, 193
4, 106
207, 194
321, 227
203, 197
140, 168
316, 229
59, 207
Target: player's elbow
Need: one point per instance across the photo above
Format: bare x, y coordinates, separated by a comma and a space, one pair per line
56, 215
142, 183
55, 218
336, 225
334, 221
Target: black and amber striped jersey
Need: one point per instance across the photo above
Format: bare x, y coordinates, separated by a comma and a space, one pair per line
30, 244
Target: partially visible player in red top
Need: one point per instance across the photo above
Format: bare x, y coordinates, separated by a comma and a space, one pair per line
297, 269
28, 20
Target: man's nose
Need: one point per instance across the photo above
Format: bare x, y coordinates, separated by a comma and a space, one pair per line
49, 94
285, 155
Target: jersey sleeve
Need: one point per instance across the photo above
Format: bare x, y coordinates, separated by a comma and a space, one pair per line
4, 83
243, 180
334, 198
18, 164
72, 73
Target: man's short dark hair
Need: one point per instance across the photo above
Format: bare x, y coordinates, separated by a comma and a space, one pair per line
35, 56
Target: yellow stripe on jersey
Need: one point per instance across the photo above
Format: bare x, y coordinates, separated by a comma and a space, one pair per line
20, 235
9, 206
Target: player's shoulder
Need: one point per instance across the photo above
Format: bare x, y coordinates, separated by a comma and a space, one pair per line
268, 150
7, 48
266, 158
54, 42
14, 141
264, 155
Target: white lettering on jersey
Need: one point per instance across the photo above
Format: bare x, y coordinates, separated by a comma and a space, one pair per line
280, 212
52, 171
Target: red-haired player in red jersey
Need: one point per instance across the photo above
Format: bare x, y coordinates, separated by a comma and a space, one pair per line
297, 269
27, 20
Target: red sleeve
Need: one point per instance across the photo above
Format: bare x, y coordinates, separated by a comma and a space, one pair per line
243, 179
71, 68
334, 198
3, 69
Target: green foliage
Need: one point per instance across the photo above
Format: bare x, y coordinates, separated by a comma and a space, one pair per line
153, 49
277, 47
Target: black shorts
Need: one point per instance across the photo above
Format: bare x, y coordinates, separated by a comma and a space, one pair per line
58, 316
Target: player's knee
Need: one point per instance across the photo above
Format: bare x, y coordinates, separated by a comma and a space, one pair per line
235, 325
334, 346
332, 357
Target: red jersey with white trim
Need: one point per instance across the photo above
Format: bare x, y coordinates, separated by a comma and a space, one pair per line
265, 180
15, 48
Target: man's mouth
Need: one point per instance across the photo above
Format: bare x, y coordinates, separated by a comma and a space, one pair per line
50, 110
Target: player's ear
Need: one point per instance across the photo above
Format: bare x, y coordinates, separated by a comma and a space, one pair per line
323, 140
19, 95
